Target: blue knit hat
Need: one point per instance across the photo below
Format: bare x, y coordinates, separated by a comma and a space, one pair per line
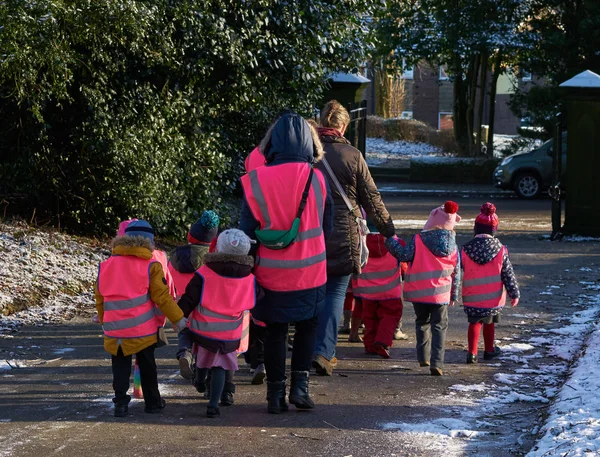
140, 228
205, 229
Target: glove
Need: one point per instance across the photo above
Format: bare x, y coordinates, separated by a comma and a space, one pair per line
514, 302
181, 324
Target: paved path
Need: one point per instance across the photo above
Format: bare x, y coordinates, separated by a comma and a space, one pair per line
59, 403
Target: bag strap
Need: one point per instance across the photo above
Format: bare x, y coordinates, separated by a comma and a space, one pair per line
338, 186
305, 193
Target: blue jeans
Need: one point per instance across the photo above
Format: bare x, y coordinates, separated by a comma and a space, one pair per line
184, 340
329, 318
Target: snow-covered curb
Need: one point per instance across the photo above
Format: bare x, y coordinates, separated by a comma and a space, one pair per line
573, 426
50, 274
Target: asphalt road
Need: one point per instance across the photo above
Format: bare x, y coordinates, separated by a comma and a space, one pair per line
59, 402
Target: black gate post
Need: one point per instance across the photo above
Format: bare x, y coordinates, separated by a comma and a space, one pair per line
555, 189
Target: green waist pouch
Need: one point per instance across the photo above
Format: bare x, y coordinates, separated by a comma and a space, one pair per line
281, 239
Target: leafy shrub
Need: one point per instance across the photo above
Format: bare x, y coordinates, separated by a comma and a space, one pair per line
120, 108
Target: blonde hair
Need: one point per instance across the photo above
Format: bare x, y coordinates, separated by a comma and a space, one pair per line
334, 115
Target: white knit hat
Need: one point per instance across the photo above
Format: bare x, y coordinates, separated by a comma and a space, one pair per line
234, 242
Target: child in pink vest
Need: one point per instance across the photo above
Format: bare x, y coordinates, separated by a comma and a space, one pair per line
183, 263
379, 286
487, 273
214, 302
431, 282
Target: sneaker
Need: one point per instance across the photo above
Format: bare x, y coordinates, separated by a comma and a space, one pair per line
436, 371
424, 364
185, 365
400, 335
382, 350
212, 412
471, 358
121, 410
259, 375
492, 355
156, 409
354, 338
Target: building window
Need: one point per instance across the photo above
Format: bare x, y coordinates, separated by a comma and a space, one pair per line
443, 76
408, 72
445, 121
526, 76
406, 115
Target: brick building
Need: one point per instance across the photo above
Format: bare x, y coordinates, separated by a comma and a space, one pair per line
429, 98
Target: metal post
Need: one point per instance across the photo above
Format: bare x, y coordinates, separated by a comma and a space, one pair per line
555, 188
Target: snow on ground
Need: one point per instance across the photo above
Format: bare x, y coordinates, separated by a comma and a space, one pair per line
379, 150
44, 276
523, 223
573, 427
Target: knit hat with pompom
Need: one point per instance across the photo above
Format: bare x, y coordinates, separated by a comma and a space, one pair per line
205, 229
443, 217
487, 221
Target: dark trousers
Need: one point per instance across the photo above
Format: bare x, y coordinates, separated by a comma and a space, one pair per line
381, 318
431, 324
121, 368
276, 348
256, 349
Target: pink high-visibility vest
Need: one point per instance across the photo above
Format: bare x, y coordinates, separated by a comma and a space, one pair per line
161, 257
254, 160
273, 194
124, 283
379, 280
429, 278
181, 280
482, 284
220, 315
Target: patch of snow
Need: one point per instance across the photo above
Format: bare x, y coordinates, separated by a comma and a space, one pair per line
507, 378
63, 350
517, 347
469, 387
379, 150
580, 239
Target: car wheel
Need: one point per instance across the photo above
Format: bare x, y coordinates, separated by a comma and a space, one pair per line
527, 185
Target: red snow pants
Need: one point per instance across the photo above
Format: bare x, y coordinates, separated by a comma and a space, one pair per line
381, 318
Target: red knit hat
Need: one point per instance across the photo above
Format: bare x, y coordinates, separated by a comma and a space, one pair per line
487, 221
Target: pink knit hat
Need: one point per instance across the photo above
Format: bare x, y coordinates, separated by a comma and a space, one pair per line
443, 217
123, 225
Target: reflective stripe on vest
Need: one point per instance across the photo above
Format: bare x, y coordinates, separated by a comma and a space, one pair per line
254, 160
181, 280
429, 278
273, 194
379, 280
245, 339
124, 283
220, 313
482, 284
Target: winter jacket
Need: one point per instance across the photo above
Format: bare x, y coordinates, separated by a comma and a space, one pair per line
440, 242
159, 294
351, 170
291, 142
483, 249
186, 260
234, 266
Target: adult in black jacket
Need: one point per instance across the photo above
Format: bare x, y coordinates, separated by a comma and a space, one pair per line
343, 253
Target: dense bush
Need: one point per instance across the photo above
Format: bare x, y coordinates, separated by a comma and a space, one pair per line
410, 130
119, 108
452, 170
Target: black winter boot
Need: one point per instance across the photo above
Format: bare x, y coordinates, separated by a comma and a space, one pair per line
299, 391
276, 397
227, 395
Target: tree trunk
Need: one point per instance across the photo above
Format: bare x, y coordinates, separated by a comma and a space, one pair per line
496, 72
482, 83
459, 107
472, 90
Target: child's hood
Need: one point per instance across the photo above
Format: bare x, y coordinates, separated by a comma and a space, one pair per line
482, 250
233, 266
137, 246
440, 242
188, 258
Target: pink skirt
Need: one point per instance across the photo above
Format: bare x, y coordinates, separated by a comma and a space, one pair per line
208, 359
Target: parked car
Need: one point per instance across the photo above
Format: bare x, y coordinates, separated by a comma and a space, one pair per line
529, 173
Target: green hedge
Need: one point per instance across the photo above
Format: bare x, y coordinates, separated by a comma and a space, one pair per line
120, 108
452, 170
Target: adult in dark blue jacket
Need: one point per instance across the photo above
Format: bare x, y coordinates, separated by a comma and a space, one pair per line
289, 140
